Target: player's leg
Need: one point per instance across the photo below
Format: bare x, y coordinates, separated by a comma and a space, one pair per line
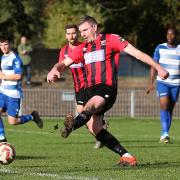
2, 131
164, 118
108, 140
174, 94
99, 97
13, 107
163, 91
2, 109
71, 123
164, 100
98, 143
81, 99
171, 107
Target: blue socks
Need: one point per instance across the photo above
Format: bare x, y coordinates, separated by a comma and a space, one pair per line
169, 120
26, 118
165, 118
2, 132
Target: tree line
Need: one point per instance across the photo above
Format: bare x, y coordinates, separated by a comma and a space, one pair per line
142, 22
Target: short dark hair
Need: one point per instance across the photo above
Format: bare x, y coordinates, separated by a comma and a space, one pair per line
69, 26
88, 19
4, 38
173, 28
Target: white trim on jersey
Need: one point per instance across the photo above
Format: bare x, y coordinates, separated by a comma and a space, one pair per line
169, 61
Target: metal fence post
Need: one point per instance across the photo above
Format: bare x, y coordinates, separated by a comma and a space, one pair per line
132, 104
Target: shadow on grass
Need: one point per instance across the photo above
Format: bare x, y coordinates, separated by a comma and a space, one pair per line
155, 144
159, 165
30, 157
140, 141
82, 142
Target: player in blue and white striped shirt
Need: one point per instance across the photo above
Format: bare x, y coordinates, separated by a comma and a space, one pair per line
168, 56
10, 89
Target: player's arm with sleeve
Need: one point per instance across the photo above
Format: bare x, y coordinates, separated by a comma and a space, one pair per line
130, 49
59, 67
61, 54
17, 67
153, 72
117, 43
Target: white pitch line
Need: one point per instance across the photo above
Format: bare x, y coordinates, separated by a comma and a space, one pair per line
29, 132
9, 171
79, 134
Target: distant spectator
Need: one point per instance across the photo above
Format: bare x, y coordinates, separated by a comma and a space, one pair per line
24, 51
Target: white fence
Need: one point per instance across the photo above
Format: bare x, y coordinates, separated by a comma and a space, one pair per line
58, 103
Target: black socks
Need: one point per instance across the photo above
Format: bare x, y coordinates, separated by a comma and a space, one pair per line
81, 119
111, 142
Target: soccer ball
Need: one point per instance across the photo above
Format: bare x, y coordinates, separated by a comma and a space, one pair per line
7, 153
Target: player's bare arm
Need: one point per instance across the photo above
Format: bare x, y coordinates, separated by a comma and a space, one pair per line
153, 74
130, 49
57, 70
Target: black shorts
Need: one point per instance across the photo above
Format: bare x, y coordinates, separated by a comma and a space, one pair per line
81, 97
107, 92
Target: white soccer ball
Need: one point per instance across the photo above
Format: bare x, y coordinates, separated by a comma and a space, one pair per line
7, 153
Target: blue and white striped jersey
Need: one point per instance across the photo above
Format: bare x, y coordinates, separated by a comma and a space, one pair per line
169, 58
11, 64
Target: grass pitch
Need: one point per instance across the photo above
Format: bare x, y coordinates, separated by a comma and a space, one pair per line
43, 154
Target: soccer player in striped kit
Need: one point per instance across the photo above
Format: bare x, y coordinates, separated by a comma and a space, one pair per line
168, 56
78, 72
99, 53
10, 89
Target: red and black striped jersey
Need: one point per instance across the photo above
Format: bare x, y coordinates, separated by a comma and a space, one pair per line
101, 58
78, 71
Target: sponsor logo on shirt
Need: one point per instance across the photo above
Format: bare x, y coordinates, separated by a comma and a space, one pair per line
94, 56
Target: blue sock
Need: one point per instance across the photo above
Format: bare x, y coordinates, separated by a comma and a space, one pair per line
2, 132
164, 117
169, 120
26, 118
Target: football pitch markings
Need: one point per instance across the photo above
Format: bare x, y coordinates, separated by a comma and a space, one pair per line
173, 138
51, 175
74, 134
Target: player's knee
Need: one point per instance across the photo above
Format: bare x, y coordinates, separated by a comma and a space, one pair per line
164, 107
12, 122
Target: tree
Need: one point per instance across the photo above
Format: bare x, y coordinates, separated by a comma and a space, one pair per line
17, 18
142, 22
62, 12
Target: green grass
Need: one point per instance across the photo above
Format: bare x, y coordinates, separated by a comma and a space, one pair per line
43, 154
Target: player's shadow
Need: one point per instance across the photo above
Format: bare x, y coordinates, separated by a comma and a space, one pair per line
30, 157
81, 142
159, 165
156, 165
139, 141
